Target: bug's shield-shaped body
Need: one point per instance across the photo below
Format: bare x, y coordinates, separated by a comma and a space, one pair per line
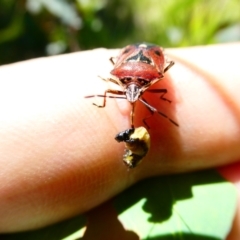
145, 61
137, 143
139, 66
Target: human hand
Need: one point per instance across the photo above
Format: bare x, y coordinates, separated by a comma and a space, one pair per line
58, 152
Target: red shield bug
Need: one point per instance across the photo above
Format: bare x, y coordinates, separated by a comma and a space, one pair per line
137, 143
137, 67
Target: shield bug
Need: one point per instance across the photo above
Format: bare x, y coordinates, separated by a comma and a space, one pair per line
137, 143
137, 67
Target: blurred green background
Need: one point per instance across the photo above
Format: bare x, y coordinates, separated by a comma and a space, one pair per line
34, 28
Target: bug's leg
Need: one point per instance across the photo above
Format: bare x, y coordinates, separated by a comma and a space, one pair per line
144, 120
104, 96
153, 110
109, 80
170, 64
163, 91
111, 60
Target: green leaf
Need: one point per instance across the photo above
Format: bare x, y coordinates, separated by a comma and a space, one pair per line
188, 206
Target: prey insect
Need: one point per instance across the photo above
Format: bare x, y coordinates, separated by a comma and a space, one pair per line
137, 143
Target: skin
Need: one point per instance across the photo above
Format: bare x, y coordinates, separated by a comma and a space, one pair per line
58, 151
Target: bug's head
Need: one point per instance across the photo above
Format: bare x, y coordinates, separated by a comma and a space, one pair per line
133, 92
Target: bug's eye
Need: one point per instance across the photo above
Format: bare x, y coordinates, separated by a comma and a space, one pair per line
126, 50
157, 53
126, 80
142, 81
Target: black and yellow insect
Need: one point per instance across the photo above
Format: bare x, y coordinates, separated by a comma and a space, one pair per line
137, 142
